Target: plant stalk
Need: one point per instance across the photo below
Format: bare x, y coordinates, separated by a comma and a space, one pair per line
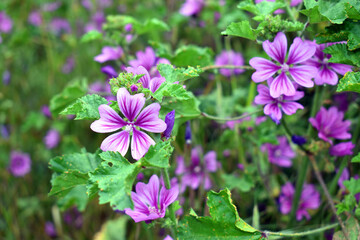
171, 207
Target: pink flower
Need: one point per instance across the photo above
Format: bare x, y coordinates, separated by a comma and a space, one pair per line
109, 53
342, 149
151, 83
230, 58
131, 107
151, 200
290, 68
191, 7
281, 154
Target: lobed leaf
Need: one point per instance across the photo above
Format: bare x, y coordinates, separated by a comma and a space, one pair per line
349, 83
158, 155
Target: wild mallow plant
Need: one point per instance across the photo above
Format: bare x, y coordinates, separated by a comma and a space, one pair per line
204, 161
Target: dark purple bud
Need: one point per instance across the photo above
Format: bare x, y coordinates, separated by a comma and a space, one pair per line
6, 77
134, 88
50, 230
128, 27
4, 131
140, 176
299, 140
46, 111
73, 217
240, 166
169, 120
188, 133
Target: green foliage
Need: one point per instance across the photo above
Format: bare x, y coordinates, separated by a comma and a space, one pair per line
349, 83
34, 120
91, 36
224, 222
353, 185
356, 159
172, 74
241, 29
352, 227
125, 80
262, 9
192, 55
158, 155
86, 107
243, 183
113, 229
340, 54
113, 180
71, 92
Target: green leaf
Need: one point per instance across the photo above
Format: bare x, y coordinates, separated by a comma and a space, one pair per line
166, 89
34, 120
152, 25
62, 184
356, 159
352, 228
349, 83
86, 107
71, 92
243, 183
76, 196
224, 222
241, 29
340, 54
113, 229
192, 55
172, 74
91, 36
158, 155
260, 9
113, 180
353, 185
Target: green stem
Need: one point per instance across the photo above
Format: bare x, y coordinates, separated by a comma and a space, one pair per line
229, 118
171, 207
226, 66
290, 12
318, 230
315, 107
333, 184
219, 98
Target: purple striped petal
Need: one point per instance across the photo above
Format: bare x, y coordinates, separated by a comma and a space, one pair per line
129, 105
145, 80
168, 196
117, 142
149, 119
277, 49
109, 120
264, 95
290, 108
210, 161
265, 69
138, 216
303, 75
282, 85
340, 68
273, 111
298, 95
300, 51
148, 193
155, 83
326, 76
139, 203
140, 144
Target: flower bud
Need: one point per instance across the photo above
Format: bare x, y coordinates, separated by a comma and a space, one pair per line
299, 140
169, 120
188, 133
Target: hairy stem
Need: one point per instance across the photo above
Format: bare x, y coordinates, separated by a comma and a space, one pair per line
226, 66
229, 118
318, 230
171, 207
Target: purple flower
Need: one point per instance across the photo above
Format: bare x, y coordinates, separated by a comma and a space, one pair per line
52, 138
330, 124
191, 7
5, 23
128, 27
50, 7
342, 149
197, 173
4, 131
131, 107
109, 71
274, 106
326, 71
50, 229
342, 101
345, 175
6, 77
229, 58
148, 60
87, 4
168, 238
104, 88
20, 164
299, 52
281, 154
188, 133
97, 20
128, 37
151, 200
140, 176
108, 54
59, 26
73, 217
169, 120
147, 82
35, 18
310, 199
299, 140
68, 65
46, 111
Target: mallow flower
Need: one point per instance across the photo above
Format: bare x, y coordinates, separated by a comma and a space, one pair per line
309, 199
151, 200
20, 164
280, 154
289, 70
229, 58
108, 54
342, 149
345, 175
330, 124
136, 118
52, 138
326, 71
191, 7
6, 23
169, 120
147, 82
275, 106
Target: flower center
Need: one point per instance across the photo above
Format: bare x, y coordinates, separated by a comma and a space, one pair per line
153, 209
197, 169
277, 153
285, 67
129, 127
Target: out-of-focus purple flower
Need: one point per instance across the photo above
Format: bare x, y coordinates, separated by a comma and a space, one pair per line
87, 4
35, 18
168, 238
310, 199
151, 200
342, 149
231, 124
341, 101
20, 164
52, 138
132, 108
104, 88
169, 120
68, 65
327, 71
128, 27
104, 3
50, 7
59, 26
197, 173
4, 131
357, 196
46, 111
109, 71
302, 74
275, 106
229, 58
128, 37
140, 176
240, 166
217, 17
148, 60
345, 175
109, 53
97, 20
259, 120
188, 133
50, 229
6, 77
5, 23
227, 153
147, 82
73, 217
330, 124
281, 154
299, 140
191, 7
